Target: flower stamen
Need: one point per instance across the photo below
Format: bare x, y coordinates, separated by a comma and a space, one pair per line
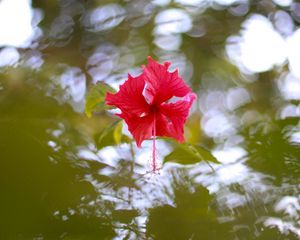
154, 145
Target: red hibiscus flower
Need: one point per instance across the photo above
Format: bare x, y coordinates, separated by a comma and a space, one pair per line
144, 105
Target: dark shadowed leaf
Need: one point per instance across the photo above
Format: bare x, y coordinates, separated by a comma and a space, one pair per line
124, 215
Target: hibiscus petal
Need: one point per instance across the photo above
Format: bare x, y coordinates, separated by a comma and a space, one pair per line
130, 97
140, 127
175, 115
164, 127
162, 84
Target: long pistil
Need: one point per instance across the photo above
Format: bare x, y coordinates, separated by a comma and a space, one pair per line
154, 145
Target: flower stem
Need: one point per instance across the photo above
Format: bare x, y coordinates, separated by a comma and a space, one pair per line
154, 145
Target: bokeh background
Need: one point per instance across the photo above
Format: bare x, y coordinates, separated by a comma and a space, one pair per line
66, 176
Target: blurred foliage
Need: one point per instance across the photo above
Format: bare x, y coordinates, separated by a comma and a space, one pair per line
189, 216
271, 150
64, 175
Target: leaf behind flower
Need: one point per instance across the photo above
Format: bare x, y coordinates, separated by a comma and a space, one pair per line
95, 98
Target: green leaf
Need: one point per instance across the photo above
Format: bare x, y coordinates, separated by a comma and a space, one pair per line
106, 137
95, 99
112, 135
189, 154
118, 132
